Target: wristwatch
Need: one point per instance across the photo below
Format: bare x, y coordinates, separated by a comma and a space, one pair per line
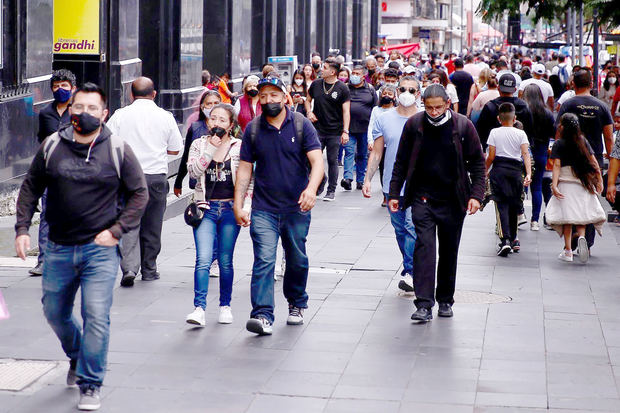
345, 131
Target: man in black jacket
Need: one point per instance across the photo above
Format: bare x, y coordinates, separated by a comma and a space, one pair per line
440, 159
488, 117
85, 171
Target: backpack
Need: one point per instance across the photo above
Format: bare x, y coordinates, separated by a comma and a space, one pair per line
563, 76
298, 120
117, 148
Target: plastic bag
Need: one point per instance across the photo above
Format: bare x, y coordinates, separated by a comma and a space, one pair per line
4, 310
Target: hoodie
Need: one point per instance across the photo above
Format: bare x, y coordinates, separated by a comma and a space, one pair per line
84, 192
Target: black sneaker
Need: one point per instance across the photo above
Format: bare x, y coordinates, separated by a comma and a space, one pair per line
260, 326
515, 246
321, 188
346, 184
89, 398
503, 249
150, 277
359, 186
71, 374
445, 310
329, 196
423, 315
128, 278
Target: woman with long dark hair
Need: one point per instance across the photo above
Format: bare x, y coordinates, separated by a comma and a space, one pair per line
309, 75
543, 132
298, 91
576, 181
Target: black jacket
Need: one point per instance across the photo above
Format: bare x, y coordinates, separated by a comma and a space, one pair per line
50, 121
488, 118
83, 198
469, 160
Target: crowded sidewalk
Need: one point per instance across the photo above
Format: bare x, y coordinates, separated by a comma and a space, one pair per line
529, 333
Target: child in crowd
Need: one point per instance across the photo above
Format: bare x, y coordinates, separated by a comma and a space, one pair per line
508, 153
576, 181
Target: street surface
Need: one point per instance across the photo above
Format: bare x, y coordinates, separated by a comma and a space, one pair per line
555, 346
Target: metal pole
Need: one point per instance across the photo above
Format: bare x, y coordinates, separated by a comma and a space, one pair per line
581, 61
451, 25
595, 47
573, 35
461, 25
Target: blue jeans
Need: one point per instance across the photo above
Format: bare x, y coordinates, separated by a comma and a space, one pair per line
44, 229
356, 154
92, 268
218, 227
405, 236
540, 160
265, 229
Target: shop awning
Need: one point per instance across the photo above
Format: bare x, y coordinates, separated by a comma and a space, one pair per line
404, 48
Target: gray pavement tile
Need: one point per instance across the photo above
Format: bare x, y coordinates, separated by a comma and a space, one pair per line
284, 404
361, 406
498, 409
375, 392
512, 387
207, 401
315, 361
300, 383
50, 398
353, 302
8, 400
511, 400
407, 407
438, 395
582, 404
146, 399
581, 381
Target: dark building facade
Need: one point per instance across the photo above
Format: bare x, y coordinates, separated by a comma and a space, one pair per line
168, 41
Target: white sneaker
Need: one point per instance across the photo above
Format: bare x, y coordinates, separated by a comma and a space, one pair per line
260, 326
534, 226
295, 316
226, 316
582, 250
215, 270
566, 256
406, 283
196, 317
521, 220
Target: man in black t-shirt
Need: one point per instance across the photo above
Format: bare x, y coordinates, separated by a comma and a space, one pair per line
331, 117
462, 80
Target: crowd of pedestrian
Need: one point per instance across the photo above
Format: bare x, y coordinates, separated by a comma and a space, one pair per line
448, 134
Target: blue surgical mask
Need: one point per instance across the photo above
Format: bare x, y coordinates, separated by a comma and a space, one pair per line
62, 95
355, 80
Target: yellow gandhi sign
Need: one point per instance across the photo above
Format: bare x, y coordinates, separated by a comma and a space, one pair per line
76, 27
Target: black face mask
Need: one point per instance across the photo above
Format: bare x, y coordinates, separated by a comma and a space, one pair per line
252, 93
85, 124
371, 72
316, 66
385, 100
436, 119
271, 109
218, 131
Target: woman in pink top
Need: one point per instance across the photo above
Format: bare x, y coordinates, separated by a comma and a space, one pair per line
483, 97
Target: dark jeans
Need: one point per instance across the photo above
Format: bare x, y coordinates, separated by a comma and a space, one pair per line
507, 220
331, 143
540, 160
356, 157
219, 225
265, 229
44, 228
443, 220
92, 268
141, 246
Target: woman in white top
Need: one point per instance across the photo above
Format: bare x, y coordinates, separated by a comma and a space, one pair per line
440, 77
609, 89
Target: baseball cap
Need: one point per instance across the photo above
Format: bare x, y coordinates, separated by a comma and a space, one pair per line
409, 69
424, 56
539, 69
507, 83
272, 80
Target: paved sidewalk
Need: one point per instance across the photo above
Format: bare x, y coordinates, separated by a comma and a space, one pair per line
555, 346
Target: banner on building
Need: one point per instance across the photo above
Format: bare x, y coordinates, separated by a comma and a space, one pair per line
76, 27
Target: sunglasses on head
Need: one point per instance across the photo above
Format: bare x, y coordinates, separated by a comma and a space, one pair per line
412, 90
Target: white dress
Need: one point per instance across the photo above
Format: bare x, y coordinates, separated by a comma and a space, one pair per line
579, 206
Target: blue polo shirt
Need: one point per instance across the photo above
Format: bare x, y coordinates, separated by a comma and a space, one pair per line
281, 172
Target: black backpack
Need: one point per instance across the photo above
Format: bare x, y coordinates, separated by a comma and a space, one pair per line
298, 120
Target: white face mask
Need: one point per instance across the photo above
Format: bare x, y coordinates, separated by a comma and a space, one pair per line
406, 99
206, 112
299, 82
611, 80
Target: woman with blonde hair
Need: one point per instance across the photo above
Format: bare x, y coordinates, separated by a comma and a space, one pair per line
484, 96
479, 85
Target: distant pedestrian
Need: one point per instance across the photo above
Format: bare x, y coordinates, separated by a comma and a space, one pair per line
281, 143
87, 171
576, 182
153, 134
213, 163
247, 107
463, 82
441, 161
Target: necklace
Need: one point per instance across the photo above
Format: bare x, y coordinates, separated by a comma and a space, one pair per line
327, 92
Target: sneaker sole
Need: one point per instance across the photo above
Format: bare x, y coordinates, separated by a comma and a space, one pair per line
328, 199
294, 323
89, 407
445, 315
194, 323
256, 327
405, 287
582, 248
421, 320
225, 321
504, 251
128, 280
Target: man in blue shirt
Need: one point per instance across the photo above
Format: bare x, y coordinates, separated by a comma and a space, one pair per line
386, 134
281, 204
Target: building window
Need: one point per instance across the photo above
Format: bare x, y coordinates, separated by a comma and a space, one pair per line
444, 11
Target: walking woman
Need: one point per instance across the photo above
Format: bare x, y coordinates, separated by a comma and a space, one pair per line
480, 85
439, 76
298, 92
576, 181
213, 162
309, 75
247, 106
543, 132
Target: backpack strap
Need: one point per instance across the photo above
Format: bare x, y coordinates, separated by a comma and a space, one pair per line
254, 129
50, 144
117, 147
298, 120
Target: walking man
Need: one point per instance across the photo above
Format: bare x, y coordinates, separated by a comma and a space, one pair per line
153, 134
440, 159
331, 117
281, 144
51, 118
85, 170
387, 134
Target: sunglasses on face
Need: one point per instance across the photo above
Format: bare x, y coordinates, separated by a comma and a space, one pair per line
412, 90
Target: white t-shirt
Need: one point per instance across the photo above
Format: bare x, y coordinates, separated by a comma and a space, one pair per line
565, 96
545, 87
150, 131
507, 141
451, 91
